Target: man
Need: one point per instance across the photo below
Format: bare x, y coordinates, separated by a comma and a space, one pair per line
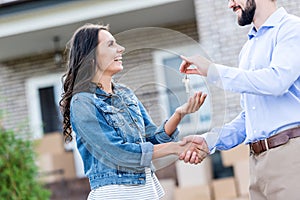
268, 79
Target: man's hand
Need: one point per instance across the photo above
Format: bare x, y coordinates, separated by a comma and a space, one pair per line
200, 62
191, 156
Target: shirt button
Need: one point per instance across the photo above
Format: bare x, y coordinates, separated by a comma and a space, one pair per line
253, 108
254, 131
256, 39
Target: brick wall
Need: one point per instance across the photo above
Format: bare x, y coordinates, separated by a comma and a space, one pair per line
13, 76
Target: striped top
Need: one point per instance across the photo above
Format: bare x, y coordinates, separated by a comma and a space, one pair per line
152, 190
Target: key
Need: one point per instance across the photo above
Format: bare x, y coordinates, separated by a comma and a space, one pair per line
186, 82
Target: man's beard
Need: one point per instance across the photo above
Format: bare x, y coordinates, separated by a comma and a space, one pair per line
247, 14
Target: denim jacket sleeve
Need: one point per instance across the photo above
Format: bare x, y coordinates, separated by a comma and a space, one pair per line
101, 140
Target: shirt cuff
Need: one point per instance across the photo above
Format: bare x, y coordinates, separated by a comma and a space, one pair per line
211, 139
213, 74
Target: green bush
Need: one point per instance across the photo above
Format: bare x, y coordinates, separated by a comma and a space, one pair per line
18, 170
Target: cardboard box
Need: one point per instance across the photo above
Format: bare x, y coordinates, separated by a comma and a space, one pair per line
194, 175
238, 198
241, 175
51, 143
202, 192
65, 161
45, 165
224, 188
56, 167
243, 198
169, 188
236, 154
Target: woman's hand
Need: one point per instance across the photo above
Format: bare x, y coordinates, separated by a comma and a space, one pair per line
193, 104
194, 150
195, 157
185, 149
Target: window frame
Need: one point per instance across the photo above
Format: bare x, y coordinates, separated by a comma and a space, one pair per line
33, 85
158, 59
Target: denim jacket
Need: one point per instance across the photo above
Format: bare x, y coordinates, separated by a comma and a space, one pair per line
115, 135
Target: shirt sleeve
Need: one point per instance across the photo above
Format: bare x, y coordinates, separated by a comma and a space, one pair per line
227, 137
275, 79
102, 140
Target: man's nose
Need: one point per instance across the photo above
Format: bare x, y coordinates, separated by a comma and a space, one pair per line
231, 3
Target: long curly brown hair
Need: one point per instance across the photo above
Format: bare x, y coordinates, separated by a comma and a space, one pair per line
81, 67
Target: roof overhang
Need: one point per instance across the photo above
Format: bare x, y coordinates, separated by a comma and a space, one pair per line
28, 33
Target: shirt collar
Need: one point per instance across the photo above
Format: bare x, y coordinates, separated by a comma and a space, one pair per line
272, 21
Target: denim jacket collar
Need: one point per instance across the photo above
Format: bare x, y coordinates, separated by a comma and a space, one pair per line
117, 89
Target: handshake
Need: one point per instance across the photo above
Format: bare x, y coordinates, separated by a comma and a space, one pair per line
193, 149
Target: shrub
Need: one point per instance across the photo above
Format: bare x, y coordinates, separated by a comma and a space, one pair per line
18, 170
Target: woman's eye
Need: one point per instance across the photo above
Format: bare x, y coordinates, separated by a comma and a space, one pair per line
111, 43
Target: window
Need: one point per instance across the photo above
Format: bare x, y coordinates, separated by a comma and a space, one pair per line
43, 94
49, 110
172, 90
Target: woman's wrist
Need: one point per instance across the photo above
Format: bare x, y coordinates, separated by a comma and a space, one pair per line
172, 123
178, 112
175, 148
171, 148
165, 149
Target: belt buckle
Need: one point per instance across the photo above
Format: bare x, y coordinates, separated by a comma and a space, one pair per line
251, 152
266, 144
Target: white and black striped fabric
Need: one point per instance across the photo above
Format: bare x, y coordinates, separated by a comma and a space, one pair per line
152, 190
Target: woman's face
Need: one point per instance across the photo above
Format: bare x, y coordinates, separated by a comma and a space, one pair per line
109, 54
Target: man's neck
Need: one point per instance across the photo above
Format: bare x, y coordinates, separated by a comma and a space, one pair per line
264, 9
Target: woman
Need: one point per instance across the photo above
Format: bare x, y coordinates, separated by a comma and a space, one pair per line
115, 135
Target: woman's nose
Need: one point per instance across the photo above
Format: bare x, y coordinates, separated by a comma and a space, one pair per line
121, 49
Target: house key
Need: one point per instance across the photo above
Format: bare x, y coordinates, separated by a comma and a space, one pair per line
186, 82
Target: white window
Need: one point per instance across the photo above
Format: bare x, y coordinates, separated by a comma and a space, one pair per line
43, 95
172, 90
